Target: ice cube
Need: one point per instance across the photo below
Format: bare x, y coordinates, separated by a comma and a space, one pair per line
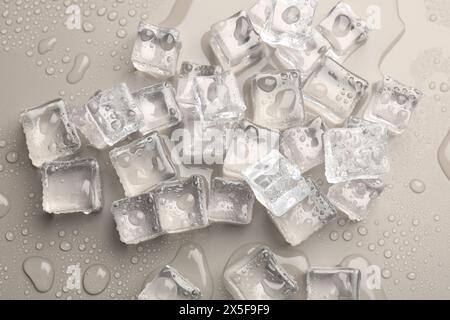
305, 57
355, 122
259, 14
189, 71
159, 107
333, 92
333, 284
355, 154
258, 275
289, 22
186, 277
392, 104
219, 98
142, 164
49, 133
304, 145
71, 186
308, 217
277, 99
354, 197
277, 183
137, 219
344, 30
231, 201
182, 205
156, 50
249, 144
235, 43
112, 115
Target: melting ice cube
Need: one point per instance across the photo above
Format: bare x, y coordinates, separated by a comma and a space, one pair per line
333, 284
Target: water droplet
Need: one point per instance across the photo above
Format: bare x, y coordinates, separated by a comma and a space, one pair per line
80, 66
417, 186
2, 144
386, 273
363, 231
65, 246
41, 273
9, 236
5, 207
347, 236
444, 155
46, 45
96, 279
88, 26
12, 157
411, 276
334, 236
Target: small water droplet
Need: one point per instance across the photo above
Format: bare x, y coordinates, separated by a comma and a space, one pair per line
65, 246
12, 157
417, 186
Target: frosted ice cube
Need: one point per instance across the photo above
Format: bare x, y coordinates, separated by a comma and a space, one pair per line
231, 201
392, 104
137, 219
258, 275
308, 217
159, 107
177, 286
304, 145
278, 184
355, 154
354, 197
259, 14
142, 164
49, 133
333, 92
182, 205
189, 71
111, 114
289, 22
249, 144
306, 57
277, 99
344, 30
71, 186
235, 43
156, 50
333, 284
219, 98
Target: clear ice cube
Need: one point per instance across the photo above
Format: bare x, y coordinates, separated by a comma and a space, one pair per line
392, 105
344, 30
235, 43
353, 198
176, 285
142, 164
182, 205
110, 116
71, 186
137, 219
248, 144
304, 145
333, 92
277, 99
156, 50
355, 154
308, 217
49, 133
189, 71
355, 122
333, 284
219, 98
277, 183
159, 107
230, 201
259, 14
258, 275
305, 57
289, 22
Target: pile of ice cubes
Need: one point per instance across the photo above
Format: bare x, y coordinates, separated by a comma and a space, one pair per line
300, 113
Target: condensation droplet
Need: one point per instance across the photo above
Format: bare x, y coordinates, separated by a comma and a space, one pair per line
46, 45
80, 66
417, 186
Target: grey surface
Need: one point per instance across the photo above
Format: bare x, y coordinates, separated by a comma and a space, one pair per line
407, 233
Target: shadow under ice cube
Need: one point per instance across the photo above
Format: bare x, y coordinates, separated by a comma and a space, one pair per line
159, 107
142, 164
231, 201
333, 92
71, 186
137, 219
235, 43
49, 133
277, 99
355, 154
392, 105
333, 284
259, 276
156, 50
278, 184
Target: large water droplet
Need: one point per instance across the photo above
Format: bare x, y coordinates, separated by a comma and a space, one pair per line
46, 45
41, 273
4, 206
96, 279
444, 155
417, 186
80, 66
